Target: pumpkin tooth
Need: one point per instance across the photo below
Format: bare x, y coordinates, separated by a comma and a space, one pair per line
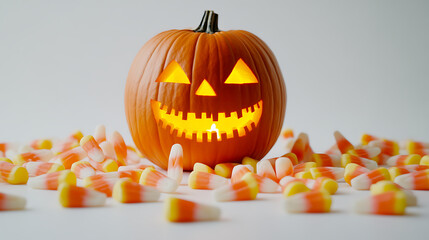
239, 114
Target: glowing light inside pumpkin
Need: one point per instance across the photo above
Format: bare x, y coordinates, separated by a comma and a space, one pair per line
205, 127
173, 73
205, 89
241, 74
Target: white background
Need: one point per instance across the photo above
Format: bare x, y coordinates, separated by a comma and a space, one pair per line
355, 66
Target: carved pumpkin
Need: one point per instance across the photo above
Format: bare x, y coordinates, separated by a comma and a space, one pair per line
220, 94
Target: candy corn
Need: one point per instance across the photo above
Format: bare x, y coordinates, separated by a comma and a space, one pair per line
286, 180
266, 185
414, 181
225, 169
132, 174
415, 147
120, 147
41, 144
304, 175
51, 181
343, 144
365, 180
250, 161
301, 148
330, 172
82, 169
91, 147
367, 152
388, 186
175, 163
239, 171
201, 167
100, 134
69, 157
204, 180
388, 203
327, 184
13, 174
136, 166
101, 183
71, 196
364, 162
125, 191
11, 202
353, 170
180, 210
246, 189
38, 168
108, 150
154, 178
284, 167
381, 159
294, 187
287, 133
387, 147
302, 167
292, 157
309, 202
366, 138
400, 170
425, 160
265, 169
132, 157
108, 165
42, 155
400, 160
3, 159
327, 160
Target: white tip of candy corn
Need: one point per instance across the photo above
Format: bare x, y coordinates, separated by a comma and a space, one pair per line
266, 185
361, 182
100, 133
265, 169
167, 185
11, 202
406, 181
108, 150
180, 210
284, 167
175, 163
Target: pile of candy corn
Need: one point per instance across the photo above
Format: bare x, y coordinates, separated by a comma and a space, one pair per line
86, 170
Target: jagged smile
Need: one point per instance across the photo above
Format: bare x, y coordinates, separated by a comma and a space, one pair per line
205, 127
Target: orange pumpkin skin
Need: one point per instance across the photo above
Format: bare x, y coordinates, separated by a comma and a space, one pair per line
211, 57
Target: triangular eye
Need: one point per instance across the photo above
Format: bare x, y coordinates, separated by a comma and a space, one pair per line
173, 73
241, 74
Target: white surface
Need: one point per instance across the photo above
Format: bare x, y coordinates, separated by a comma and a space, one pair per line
354, 66
264, 218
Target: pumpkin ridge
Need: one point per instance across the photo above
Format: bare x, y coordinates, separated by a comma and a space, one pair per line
165, 149
137, 138
280, 87
249, 51
166, 40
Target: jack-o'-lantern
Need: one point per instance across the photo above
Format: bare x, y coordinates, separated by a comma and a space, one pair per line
220, 94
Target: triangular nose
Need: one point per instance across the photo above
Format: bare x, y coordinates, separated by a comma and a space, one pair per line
205, 89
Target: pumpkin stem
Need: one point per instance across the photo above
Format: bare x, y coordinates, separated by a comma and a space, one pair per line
208, 23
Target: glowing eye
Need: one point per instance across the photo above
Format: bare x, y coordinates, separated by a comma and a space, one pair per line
241, 74
173, 73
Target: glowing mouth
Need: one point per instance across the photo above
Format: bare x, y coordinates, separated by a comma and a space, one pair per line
205, 127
